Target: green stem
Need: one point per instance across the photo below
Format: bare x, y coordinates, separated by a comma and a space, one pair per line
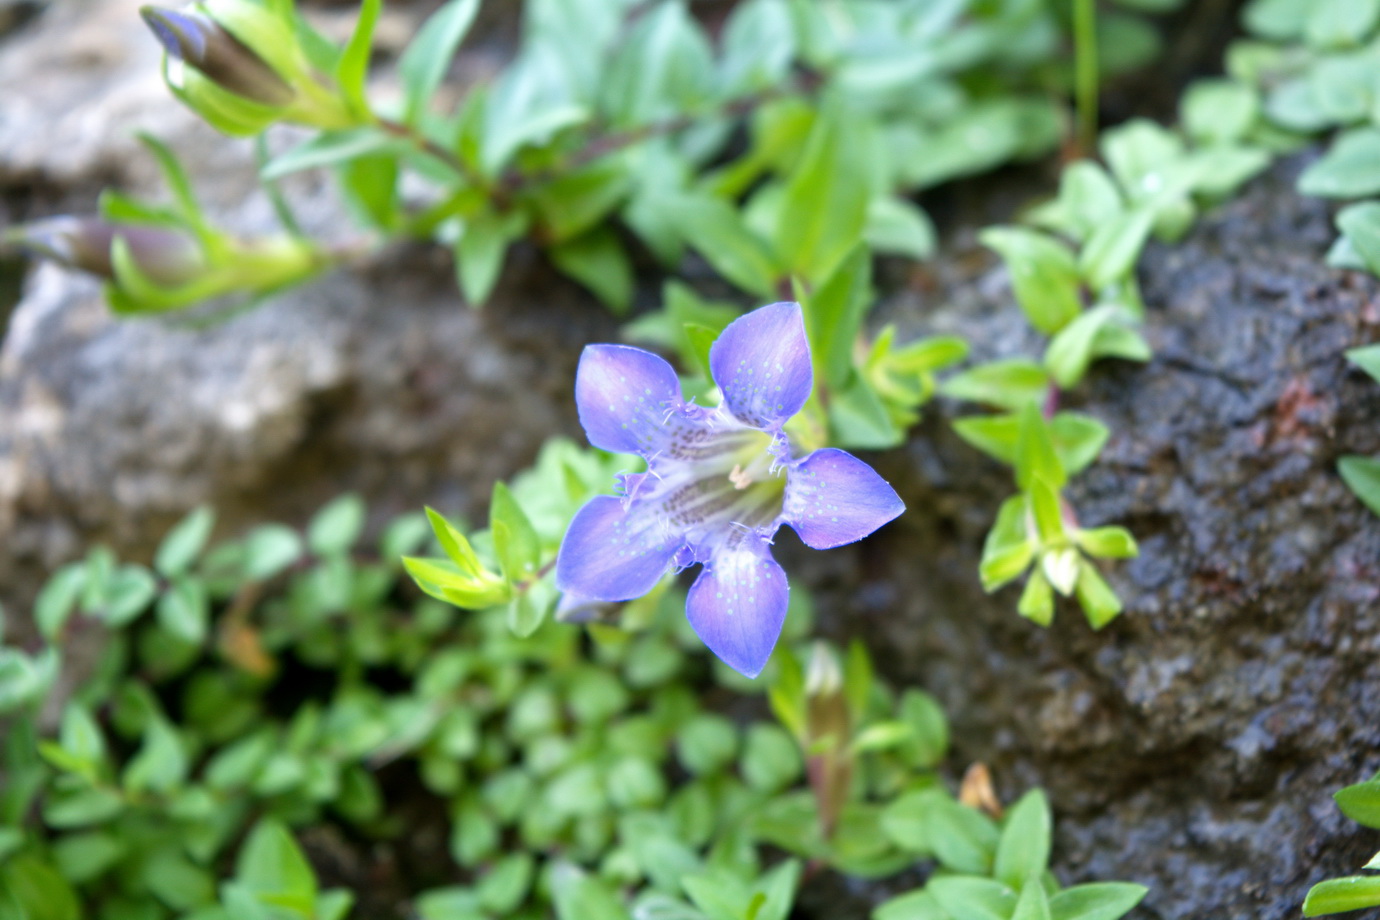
1085, 72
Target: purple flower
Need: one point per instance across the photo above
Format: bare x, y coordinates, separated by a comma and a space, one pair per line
719, 482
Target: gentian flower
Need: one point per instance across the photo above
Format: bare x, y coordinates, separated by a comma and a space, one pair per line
718, 485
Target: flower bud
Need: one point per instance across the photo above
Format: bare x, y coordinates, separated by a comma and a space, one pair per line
199, 41
167, 257
242, 67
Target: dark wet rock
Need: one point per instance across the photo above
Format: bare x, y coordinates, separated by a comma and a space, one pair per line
1193, 744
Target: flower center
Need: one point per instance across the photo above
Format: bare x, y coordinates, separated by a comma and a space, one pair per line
717, 483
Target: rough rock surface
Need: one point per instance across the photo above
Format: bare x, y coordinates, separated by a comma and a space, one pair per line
379, 380
1192, 745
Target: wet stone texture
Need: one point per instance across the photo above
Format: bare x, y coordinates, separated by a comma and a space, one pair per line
1194, 743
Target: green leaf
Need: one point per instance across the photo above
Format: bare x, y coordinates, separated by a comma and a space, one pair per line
128, 594
336, 527
272, 866
176, 177
1035, 454
515, 540
778, 889
1096, 901
834, 315
528, 609
184, 612
1023, 850
1361, 802
706, 743
451, 903
576, 201
930, 822
720, 894
659, 69
897, 226
771, 758
1343, 87
82, 807
1108, 543
1099, 602
454, 543
1044, 275
184, 543
859, 418
177, 881
504, 886
1075, 346
37, 891
1078, 439
87, 856
1280, 20
269, 550
1037, 599
1337, 895
332, 148
1008, 549
1044, 506
598, 261
824, 208
479, 252
1033, 904
1088, 199
973, 898
1349, 169
982, 135
58, 599
929, 740
1361, 225
1008, 384
424, 62
1362, 475
1112, 250
913, 905
370, 184
161, 763
448, 582
1219, 111
1367, 359
578, 896
352, 70
758, 45
530, 103
713, 228
1333, 23
700, 339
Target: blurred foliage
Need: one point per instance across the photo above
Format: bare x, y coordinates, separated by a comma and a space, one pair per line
213, 707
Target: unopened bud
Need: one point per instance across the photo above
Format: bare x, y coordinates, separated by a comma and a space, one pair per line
166, 257
199, 41
824, 677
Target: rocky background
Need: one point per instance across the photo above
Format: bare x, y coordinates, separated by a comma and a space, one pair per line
1192, 745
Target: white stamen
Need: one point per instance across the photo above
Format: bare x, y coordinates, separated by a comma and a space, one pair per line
740, 478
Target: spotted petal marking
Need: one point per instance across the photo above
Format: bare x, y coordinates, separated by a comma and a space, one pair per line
761, 362
833, 498
625, 397
612, 553
738, 606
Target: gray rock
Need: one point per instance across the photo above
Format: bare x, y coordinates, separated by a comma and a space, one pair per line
377, 379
